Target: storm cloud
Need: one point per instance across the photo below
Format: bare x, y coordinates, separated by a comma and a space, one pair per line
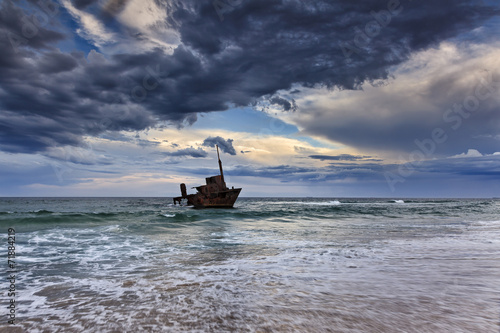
192, 152
54, 95
428, 109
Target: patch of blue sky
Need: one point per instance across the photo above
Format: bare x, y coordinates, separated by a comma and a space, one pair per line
246, 120
77, 43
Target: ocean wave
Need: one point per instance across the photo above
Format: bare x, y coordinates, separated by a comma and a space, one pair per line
107, 213
312, 203
397, 201
329, 203
41, 211
180, 217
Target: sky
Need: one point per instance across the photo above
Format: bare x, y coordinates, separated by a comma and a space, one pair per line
307, 98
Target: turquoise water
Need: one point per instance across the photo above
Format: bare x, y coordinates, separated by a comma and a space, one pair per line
268, 265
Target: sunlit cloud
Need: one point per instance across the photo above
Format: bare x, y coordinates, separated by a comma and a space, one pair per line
91, 28
387, 119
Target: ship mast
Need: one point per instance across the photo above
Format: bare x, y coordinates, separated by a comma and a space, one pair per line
220, 164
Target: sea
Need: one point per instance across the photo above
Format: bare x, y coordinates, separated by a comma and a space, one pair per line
267, 265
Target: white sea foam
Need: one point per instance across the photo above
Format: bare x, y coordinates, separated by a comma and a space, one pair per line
312, 203
235, 293
321, 203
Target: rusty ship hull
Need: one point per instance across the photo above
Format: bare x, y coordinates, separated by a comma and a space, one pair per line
223, 199
214, 194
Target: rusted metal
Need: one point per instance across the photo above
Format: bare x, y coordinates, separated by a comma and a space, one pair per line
215, 194
220, 165
183, 190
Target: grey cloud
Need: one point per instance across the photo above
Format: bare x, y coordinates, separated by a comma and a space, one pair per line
81, 4
404, 121
225, 145
193, 152
113, 7
285, 104
21, 29
56, 62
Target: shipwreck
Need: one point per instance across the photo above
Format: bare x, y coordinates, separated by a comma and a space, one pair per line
215, 194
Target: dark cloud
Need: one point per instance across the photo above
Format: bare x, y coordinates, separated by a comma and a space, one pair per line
113, 7
261, 47
49, 98
56, 62
285, 104
225, 145
193, 152
24, 28
280, 43
82, 4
